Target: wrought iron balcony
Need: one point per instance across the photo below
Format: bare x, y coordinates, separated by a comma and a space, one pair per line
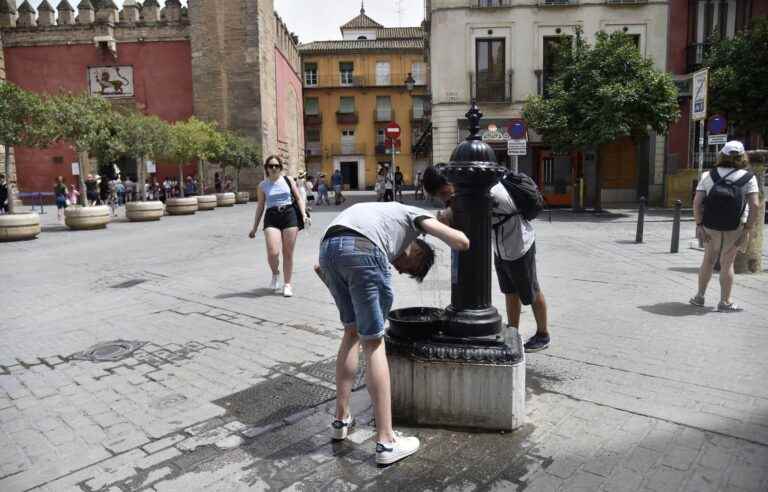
489, 4
557, 3
368, 80
346, 118
348, 149
418, 115
491, 89
314, 149
313, 119
695, 55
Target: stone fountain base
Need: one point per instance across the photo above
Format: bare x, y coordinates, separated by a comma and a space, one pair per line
435, 382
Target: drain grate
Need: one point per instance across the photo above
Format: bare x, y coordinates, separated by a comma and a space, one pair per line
128, 283
109, 351
325, 370
273, 400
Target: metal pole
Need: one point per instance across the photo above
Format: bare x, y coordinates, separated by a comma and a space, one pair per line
675, 247
514, 164
392, 172
641, 220
701, 148
40, 198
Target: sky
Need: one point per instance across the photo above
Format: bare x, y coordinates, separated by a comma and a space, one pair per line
316, 20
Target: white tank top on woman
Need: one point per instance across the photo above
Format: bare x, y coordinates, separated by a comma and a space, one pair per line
277, 193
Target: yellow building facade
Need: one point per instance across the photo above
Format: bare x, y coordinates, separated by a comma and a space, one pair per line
353, 88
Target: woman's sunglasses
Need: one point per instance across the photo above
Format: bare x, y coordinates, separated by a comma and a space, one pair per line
274, 166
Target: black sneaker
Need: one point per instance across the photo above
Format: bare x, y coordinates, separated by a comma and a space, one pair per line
537, 343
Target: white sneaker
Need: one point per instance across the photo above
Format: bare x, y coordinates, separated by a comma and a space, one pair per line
275, 283
341, 428
287, 290
388, 453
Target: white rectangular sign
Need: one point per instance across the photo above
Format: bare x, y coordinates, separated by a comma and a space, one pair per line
151, 168
719, 139
75, 169
115, 81
699, 95
517, 147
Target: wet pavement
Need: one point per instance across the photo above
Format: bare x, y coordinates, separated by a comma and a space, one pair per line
211, 382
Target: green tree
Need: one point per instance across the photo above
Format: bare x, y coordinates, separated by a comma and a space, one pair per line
600, 94
192, 140
238, 153
738, 79
141, 137
87, 124
23, 122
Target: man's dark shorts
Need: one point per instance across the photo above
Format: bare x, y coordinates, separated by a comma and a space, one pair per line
519, 276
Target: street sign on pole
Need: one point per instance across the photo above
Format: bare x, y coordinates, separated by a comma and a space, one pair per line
393, 131
699, 100
151, 168
75, 169
718, 139
717, 124
517, 147
518, 130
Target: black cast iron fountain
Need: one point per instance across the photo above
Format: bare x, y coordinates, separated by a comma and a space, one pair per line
470, 328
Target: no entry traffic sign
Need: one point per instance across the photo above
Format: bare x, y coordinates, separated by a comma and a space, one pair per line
393, 131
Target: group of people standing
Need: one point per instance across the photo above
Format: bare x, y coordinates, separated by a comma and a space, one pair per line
388, 187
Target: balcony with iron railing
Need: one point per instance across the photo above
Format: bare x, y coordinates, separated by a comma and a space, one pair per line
489, 4
345, 80
346, 118
695, 55
558, 3
313, 119
418, 115
491, 89
348, 148
314, 149
383, 115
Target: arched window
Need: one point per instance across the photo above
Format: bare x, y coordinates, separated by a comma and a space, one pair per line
361, 37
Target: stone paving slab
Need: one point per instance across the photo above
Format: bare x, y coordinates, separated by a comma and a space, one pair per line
638, 392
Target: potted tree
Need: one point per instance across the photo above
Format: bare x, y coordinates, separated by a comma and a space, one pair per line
201, 142
22, 122
141, 137
86, 123
180, 150
249, 156
230, 153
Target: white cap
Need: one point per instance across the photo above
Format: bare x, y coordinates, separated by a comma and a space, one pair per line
732, 147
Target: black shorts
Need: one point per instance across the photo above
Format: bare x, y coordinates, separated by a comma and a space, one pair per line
519, 276
281, 218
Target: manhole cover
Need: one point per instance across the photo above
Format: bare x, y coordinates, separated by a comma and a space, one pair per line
273, 400
109, 351
128, 283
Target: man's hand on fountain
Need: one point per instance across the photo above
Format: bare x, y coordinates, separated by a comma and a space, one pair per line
452, 237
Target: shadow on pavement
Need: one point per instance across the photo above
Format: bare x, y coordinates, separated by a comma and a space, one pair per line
691, 270
251, 294
675, 309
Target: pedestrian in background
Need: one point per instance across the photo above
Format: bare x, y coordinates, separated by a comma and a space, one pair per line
60, 192
74, 195
285, 211
91, 190
322, 191
3, 195
399, 182
338, 182
726, 209
130, 189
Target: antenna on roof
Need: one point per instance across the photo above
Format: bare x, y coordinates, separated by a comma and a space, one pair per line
362, 7
399, 9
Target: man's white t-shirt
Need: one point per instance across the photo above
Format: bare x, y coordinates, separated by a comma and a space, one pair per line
513, 236
706, 184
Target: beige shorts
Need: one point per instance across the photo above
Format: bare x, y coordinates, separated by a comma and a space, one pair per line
721, 241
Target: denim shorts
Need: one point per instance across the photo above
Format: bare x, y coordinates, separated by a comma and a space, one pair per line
358, 275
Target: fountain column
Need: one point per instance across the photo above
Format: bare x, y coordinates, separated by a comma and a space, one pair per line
458, 366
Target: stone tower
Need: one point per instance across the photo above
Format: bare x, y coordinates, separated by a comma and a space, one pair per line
233, 66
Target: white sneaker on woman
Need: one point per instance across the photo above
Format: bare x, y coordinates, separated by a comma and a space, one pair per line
275, 283
287, 290
390, 452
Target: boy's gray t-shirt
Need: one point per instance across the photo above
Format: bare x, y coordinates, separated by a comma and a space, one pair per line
391, 226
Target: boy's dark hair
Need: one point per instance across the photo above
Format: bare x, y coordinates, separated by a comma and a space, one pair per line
433, 180
427, 260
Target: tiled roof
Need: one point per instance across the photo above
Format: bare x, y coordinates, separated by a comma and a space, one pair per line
399, 32
362, 21
363, 44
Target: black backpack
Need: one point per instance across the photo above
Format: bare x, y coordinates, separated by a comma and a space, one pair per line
524, 192
726, 201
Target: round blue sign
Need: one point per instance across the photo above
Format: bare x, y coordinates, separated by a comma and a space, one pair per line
517, 130
717, 124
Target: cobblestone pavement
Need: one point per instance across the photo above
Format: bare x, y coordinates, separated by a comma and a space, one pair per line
231, 386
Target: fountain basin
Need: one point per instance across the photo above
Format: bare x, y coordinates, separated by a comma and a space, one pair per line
417, 323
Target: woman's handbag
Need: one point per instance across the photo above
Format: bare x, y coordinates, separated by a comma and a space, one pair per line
295, 205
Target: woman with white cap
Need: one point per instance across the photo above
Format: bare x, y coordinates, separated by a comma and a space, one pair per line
726, 210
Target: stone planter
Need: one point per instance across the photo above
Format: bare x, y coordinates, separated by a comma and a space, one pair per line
144, 211
225, 199
181, 206
19, 227
242, 197
206, 202
87, 218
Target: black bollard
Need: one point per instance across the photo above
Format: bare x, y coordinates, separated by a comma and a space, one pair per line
641, 220
675, 247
